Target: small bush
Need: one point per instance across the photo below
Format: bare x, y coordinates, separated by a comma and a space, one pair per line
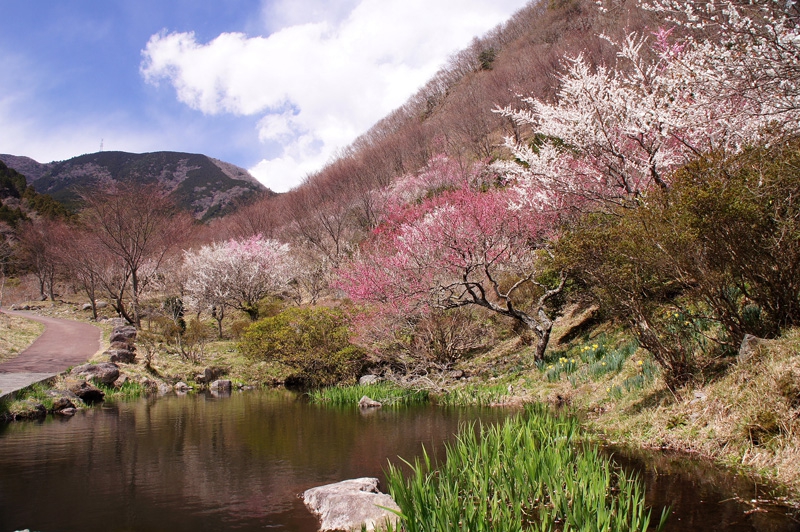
314, 342
444, 337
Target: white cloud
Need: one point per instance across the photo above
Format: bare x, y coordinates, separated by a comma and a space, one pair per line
324, 78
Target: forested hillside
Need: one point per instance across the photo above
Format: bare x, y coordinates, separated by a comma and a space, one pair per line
17, 198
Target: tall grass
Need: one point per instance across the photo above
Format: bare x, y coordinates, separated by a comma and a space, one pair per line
385, 393
474, 396
531, 473
130, 389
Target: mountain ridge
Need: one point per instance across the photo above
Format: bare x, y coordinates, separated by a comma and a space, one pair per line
202, 185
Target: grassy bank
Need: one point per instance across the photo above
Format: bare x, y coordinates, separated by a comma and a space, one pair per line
743, 414
385, 393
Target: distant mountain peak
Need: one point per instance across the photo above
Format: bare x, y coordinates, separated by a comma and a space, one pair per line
204, 186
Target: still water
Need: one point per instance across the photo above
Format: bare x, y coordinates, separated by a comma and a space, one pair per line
199, 463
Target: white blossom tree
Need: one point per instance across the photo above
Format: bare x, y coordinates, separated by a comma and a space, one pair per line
237, 274
731, 81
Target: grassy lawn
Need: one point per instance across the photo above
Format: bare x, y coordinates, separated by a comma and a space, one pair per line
16, 334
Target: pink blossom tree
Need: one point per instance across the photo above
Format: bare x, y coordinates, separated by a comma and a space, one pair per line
460, 248
237, 274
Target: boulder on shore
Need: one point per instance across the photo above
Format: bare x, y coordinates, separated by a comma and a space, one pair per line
105, 372
349, 504
123, 334
123, 356
368, 380
62, 400
87, 393
209, 375
221, 386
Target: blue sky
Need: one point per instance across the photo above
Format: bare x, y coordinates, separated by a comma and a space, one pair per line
274, 86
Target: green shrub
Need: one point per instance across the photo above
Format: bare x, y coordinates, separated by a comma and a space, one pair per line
313, 341
697, 266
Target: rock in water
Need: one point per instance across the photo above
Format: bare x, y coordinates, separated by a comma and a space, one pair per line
366, 402
349, 504
221, 386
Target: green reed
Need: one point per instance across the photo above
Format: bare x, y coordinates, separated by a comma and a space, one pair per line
532, 473
385, 393
474, 396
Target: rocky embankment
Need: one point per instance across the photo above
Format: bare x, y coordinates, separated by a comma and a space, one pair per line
117, 373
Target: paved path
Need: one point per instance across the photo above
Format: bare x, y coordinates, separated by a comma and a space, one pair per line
63, 343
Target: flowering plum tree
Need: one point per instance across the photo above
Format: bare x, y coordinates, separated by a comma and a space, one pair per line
459, 248
237, 273
615, 131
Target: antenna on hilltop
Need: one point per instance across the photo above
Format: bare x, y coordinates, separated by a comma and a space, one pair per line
101, 144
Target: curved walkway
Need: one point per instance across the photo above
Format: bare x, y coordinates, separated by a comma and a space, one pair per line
63, 343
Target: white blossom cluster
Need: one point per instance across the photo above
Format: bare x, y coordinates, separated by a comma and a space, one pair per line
236, 274
729, 82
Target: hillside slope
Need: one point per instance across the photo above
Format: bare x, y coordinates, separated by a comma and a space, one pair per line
204, 186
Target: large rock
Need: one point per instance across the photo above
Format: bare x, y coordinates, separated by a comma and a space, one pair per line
88, 393
117, 322
105, 372
123, 334
62, 400
349, 504
123, 356
368, 380
748, 348
221, 386
209, 375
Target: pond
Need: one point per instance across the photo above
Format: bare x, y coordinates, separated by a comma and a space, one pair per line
200, 462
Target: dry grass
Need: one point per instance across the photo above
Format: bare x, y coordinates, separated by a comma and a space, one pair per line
16, 334
749, 418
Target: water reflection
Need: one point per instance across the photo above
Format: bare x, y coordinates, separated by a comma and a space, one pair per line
200, 462
702, 496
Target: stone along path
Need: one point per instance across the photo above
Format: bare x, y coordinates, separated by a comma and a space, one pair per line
64, 343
